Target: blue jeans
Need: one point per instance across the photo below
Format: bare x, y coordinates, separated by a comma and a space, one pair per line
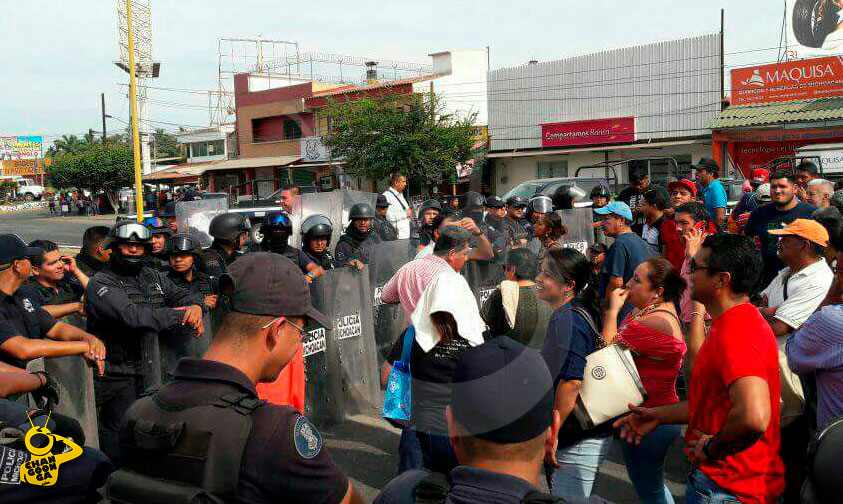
645, 464
578, 466
437, 452
409, 451
701, 490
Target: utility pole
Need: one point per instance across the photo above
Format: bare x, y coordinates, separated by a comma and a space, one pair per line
722, 61
102, 101
133, 98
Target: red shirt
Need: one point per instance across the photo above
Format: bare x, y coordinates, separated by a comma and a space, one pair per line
740, 344
674, 245
658, 357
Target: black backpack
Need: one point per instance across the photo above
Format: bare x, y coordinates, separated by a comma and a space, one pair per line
825, 473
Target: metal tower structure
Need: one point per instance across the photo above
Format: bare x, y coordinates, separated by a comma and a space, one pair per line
145, 66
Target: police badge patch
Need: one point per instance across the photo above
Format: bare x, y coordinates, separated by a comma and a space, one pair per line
307, 439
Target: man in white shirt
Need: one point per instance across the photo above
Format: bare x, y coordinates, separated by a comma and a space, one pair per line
399, 212
799, 288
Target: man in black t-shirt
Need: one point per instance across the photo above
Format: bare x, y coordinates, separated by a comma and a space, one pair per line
57, 282
784, 209
633, 195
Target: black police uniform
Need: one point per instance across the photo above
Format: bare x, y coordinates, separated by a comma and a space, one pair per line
202, 284
384, 229
325, 260
215, 260
21, 315
68, 290
158, 261
270, 453
294, 254
123, 310
353, 245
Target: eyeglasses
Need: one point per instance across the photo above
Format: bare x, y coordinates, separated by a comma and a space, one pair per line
694, 267
282, 318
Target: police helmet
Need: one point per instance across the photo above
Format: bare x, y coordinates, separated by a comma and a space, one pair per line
129, 231
228, 225
565, 195
428, 204
516, 201
169, 210
278, 219
317, 225
361, 211
600, 191
382, 201
541, 204
183, 243
157, 225
472, 201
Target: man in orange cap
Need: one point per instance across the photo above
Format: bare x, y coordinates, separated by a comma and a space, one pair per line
790, 299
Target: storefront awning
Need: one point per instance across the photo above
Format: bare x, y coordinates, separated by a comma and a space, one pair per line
779, 113
179, 173
621, 147
259, 162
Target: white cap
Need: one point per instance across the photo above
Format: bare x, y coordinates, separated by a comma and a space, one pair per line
763, 193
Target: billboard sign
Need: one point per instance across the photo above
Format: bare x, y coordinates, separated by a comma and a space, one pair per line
313, 150
24, 167
20, 147
788, 81
589, 132
814, 28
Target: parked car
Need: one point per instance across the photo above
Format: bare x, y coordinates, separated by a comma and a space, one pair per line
549, 186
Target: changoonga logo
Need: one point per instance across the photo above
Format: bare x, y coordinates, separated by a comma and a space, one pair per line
43, 468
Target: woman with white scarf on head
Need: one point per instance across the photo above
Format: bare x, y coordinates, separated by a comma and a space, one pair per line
447, 323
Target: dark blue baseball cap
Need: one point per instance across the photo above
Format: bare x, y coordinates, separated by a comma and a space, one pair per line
13, 248
503, 392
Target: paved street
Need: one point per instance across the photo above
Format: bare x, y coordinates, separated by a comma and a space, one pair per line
66, 231
366, 448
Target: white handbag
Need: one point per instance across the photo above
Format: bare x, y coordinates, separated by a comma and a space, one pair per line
610, 383
792, 401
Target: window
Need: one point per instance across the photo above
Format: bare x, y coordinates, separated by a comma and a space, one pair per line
216, 148
552, 169
292, 130
198, 149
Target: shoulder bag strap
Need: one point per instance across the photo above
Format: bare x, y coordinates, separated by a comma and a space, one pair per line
397, 198
597, 335
409, 337
669, 313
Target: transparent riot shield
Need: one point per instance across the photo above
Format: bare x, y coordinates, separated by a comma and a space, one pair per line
483, 277
194, 217
389, 319
328, 204
151, 361
351, 198
353, 334
76, 392
579, 222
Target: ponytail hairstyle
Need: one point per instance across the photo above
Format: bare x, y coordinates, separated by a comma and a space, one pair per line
566, 265
446, 326
554, 222
663, 274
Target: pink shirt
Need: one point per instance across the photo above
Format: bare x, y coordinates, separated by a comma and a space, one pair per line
408, 283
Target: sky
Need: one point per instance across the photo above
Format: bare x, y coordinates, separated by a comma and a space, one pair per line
59, 55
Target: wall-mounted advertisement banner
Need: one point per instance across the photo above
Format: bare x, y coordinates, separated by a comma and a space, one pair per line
590, 132
814, 27
788, 81
24, 167
20, 147
313, 150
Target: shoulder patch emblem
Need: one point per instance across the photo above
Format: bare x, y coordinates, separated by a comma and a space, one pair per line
102, 291
307, 439
27, 305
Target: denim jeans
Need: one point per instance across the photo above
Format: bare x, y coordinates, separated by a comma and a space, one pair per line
701, 490
437, 452
645, 464
409, 451
578, 466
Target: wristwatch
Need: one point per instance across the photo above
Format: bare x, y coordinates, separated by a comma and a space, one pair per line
478, 233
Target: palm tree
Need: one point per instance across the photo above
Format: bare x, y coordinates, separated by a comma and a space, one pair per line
67, 144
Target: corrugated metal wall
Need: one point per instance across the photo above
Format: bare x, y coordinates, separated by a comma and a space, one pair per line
673, 89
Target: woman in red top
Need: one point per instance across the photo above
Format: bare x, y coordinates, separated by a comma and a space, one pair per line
653, 333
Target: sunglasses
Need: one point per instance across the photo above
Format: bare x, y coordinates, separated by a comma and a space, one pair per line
694, 267
282, 318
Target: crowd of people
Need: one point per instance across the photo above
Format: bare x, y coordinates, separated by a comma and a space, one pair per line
733, 321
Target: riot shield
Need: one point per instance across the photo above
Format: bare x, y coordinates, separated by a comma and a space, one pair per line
151, 361
181, 341
324, 402
351, 198
579, 222
353, 334
389, 319
483, 277
194, 217
76, 392
328, 204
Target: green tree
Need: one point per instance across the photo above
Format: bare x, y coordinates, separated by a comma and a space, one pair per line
166, 145
98, 168
67, 144
375, 137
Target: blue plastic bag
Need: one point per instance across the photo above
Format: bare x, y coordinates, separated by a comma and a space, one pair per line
397, 404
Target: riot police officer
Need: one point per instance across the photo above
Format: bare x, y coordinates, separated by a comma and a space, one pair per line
184, 255
495, 219
230, 232
566, 195
277, 228
428, 211
385, 230
128, 305
599, 196
169, 215
160, 234
316, 233
473, 204
240, 449
516, 217
358, 236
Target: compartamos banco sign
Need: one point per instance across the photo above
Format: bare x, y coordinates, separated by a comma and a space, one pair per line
788, 81
589, 132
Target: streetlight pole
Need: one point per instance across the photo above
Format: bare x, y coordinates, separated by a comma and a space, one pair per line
133, 98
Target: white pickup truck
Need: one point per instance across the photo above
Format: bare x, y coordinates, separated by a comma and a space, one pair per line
28, 190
